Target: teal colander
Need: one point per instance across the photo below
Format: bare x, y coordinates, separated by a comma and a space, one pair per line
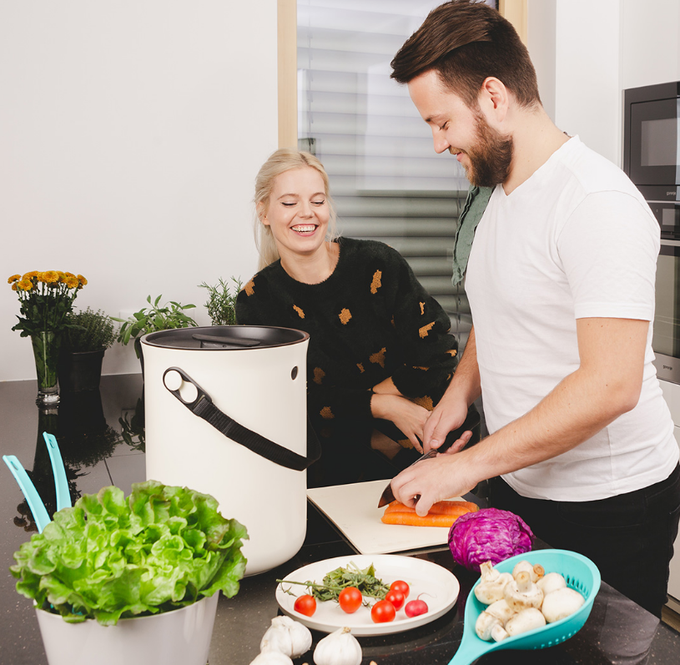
581, 574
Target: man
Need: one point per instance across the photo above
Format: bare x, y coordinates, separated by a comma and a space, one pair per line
560, 281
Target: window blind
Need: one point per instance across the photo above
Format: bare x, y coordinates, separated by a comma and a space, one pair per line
387, 182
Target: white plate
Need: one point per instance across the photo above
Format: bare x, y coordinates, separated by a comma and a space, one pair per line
439, 587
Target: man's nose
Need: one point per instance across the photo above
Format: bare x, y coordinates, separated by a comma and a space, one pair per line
439, 141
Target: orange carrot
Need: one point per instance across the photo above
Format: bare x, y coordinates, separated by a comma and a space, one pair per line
439, 508
444, 516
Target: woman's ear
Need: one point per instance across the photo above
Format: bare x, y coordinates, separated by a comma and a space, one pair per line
262, 213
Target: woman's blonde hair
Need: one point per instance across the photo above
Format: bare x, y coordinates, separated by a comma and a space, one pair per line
279, 162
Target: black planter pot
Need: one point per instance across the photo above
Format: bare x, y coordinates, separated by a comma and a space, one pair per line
80, 371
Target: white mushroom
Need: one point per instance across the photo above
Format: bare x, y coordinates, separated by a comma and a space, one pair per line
524, 621
551, 582
489, 627
536, 570
501, 610
491, 585
522, 593
561, 603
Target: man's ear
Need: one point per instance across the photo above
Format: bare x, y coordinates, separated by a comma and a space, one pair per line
494, 98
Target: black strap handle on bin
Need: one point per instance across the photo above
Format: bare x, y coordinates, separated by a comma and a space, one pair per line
204, 408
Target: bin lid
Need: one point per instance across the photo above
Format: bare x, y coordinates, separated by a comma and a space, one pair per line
235, 337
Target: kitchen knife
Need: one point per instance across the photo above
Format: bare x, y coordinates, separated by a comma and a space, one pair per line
471, 421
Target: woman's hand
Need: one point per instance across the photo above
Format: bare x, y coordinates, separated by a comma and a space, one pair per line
409, 417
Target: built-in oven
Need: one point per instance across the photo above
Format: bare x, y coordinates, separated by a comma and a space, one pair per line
651, 158
666, 339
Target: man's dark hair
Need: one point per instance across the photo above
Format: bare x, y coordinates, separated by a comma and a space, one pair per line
465, 42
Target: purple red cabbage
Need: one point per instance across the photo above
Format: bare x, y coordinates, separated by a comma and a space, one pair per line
489, 534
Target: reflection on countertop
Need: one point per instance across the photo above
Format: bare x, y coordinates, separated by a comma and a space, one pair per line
101, 437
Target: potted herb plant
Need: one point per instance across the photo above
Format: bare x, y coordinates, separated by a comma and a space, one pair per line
221, 303
150, 319
88, 335
128, 580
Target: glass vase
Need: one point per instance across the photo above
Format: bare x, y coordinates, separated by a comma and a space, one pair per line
46, 352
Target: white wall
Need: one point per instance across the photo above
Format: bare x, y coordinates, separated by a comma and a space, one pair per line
130, 135
587, 52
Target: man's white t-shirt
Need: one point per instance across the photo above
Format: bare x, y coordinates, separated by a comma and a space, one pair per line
575, 240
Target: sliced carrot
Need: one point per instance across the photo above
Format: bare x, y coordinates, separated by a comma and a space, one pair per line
400, 514
439, 508
411, 519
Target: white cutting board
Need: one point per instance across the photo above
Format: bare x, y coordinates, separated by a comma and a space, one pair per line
354, 510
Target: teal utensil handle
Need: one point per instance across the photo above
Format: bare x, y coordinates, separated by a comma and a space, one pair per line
35, 503
471, 648
60, 481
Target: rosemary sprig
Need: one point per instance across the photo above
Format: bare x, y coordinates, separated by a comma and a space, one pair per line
340, 578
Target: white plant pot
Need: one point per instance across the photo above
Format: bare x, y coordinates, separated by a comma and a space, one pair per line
181, 637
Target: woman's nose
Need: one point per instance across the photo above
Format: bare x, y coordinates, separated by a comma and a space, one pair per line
306, 210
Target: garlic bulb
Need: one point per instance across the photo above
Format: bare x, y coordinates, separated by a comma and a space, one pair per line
271, 657
287, 636
338, 648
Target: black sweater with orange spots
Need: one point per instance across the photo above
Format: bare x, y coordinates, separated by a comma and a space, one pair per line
370, 320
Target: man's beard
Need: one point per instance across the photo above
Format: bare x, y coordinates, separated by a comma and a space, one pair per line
490, 159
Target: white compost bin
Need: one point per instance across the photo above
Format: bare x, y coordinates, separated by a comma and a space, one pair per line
205, 389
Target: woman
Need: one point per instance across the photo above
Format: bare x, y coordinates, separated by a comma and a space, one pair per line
380, 355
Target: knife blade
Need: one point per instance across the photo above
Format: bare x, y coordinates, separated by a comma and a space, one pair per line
472, 420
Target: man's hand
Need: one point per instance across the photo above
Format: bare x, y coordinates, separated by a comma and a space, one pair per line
442, 477
448, 415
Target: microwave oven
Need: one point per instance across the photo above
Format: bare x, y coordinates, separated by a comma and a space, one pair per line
651, 158
651, 141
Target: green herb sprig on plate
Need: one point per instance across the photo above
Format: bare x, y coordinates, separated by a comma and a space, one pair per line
340, 578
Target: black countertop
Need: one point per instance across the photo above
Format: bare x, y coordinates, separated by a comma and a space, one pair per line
102, 443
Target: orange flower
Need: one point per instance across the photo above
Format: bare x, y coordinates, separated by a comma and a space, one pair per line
49, 276
13, 278
71, 282
82, 280
25, 285
30, 275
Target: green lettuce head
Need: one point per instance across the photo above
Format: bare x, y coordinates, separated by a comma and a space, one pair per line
109, 557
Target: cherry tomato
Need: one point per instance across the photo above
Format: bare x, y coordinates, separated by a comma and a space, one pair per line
350, 599
415, 608
305, 605
396, 598
383, 612
400, 586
